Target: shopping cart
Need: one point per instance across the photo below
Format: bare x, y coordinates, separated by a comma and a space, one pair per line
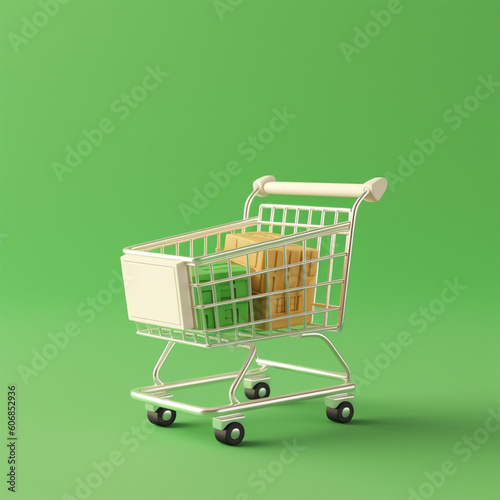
283, 272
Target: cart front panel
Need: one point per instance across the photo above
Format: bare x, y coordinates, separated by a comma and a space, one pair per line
157, 291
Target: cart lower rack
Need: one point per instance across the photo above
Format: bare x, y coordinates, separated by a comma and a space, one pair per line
282, 273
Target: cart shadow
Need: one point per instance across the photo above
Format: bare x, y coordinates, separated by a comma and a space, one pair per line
366, 421
184, 425
255, 443
341, 433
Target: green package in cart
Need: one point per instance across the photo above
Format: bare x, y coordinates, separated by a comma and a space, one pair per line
227, 314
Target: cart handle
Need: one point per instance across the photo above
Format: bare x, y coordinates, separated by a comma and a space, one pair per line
268, 185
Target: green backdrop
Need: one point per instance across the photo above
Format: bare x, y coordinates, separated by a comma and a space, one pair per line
116, 115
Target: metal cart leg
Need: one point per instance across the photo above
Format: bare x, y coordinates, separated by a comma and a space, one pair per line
160, 362
228, 425
346, 376
329, 343
251, 355
338, 406
255, 381
159, 415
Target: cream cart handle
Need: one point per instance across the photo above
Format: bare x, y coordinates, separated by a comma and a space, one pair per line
268, 185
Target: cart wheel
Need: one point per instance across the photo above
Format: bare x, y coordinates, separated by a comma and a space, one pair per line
261, 390
343, 413
232, 434
162, 417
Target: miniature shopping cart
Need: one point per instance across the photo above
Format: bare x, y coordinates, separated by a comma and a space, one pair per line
281, 273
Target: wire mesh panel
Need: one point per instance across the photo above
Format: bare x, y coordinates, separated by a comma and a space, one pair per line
281, 273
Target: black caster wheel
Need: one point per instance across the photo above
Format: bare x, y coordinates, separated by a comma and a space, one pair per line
232, 434
261, 390
343, 413
162, 417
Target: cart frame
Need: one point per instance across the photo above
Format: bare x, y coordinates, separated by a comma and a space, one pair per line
228, 419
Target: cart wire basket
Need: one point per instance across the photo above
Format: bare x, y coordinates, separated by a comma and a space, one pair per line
283, 272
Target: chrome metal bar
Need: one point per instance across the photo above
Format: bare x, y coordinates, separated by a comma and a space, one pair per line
274, 292
330, 264
248, 204
200, 380
266, 320
257, 337
222, 228
159, 363
246, 405
306, 207
242, 372
342, 227
299, 368
290, 224
347, 264
335, 351
294, 265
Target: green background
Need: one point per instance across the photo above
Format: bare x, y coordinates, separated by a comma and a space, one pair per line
61, 241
